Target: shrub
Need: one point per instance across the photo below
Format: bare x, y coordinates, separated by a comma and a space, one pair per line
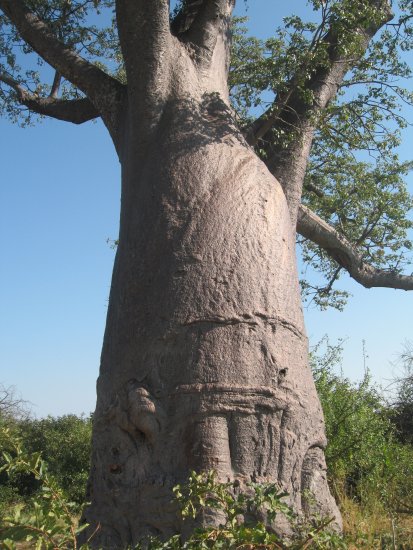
45, 520
65, 444
240, 511
366, 461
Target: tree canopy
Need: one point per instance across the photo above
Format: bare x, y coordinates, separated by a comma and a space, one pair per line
337, 82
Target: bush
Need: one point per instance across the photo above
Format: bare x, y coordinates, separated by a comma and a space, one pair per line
370, 471
65, 444
240, 511
359, 431
9, 485
45, 520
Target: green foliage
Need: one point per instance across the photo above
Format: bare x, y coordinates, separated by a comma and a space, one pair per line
204, 491
82, 25
12, 410
368, 205
403, 401
370, 471
65, 444
44, 521
364, 458
355, 180
264, 69
238, 509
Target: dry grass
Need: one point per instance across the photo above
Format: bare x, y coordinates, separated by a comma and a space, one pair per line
371, 528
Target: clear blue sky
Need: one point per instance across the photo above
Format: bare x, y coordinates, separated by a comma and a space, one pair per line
59, 201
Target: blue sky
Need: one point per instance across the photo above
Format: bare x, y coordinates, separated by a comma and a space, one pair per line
59, 203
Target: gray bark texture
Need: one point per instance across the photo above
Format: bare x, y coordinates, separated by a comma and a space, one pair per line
205, 358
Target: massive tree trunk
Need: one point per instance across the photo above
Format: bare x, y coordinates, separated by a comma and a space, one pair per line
205, 358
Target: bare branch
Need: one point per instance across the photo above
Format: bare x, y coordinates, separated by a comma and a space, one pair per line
263, 124
12, 406
312, 227
87, 77
75, 110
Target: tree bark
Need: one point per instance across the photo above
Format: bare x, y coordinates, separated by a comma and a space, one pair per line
205, 357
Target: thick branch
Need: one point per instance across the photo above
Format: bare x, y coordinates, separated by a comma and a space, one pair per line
312, 227
292, 115
265, 122
147, 49
75, 110
186, 16
144, 32
87, 77
212, 17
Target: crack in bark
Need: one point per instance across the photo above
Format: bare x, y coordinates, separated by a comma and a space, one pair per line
211, 387
220, 321
227, 399
254, 319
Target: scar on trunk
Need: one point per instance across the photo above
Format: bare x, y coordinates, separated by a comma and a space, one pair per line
137, 411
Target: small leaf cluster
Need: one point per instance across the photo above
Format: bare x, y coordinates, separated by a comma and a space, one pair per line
203, 490
246, 513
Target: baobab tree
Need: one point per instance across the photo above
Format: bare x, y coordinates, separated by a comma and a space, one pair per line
205, 357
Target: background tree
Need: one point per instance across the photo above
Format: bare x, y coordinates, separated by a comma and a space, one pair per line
205, 349
12, 406
13, 409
